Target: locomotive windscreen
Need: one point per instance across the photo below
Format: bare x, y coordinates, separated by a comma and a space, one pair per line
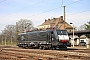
62, 32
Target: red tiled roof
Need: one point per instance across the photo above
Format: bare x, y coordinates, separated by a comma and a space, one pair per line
56, 21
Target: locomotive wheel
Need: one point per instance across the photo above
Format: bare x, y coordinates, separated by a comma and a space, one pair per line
63, 47
40, 47
53, 48
44, 47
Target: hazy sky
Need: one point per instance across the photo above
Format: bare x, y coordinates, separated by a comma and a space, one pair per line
77, 11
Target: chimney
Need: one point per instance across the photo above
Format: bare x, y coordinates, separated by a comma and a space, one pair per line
45, 20
54, 18
61, 17
49, 19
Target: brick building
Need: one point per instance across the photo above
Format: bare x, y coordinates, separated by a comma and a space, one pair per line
56, 23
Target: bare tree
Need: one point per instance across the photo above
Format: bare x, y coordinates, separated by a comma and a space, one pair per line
24, 25
9, 33
82, 27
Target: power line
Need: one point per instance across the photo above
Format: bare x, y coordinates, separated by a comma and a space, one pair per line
74, 2
70, 3
45, 11
25, 7
88, 17
78, 12
84, 17
6, 5
29, 5
2, 1
55, 8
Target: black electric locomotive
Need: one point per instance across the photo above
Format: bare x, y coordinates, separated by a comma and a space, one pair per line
44, 39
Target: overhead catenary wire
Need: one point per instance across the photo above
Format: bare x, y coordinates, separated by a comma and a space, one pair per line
83, 17
24, 7
55, 8
29, 5
73, 2
78, 12
6, 5
44, 11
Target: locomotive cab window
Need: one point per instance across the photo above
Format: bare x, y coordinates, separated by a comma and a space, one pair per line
62, 32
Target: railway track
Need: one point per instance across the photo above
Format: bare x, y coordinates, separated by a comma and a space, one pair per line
80, 50
11, 53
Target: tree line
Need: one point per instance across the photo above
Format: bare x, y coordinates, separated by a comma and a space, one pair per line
8, 35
